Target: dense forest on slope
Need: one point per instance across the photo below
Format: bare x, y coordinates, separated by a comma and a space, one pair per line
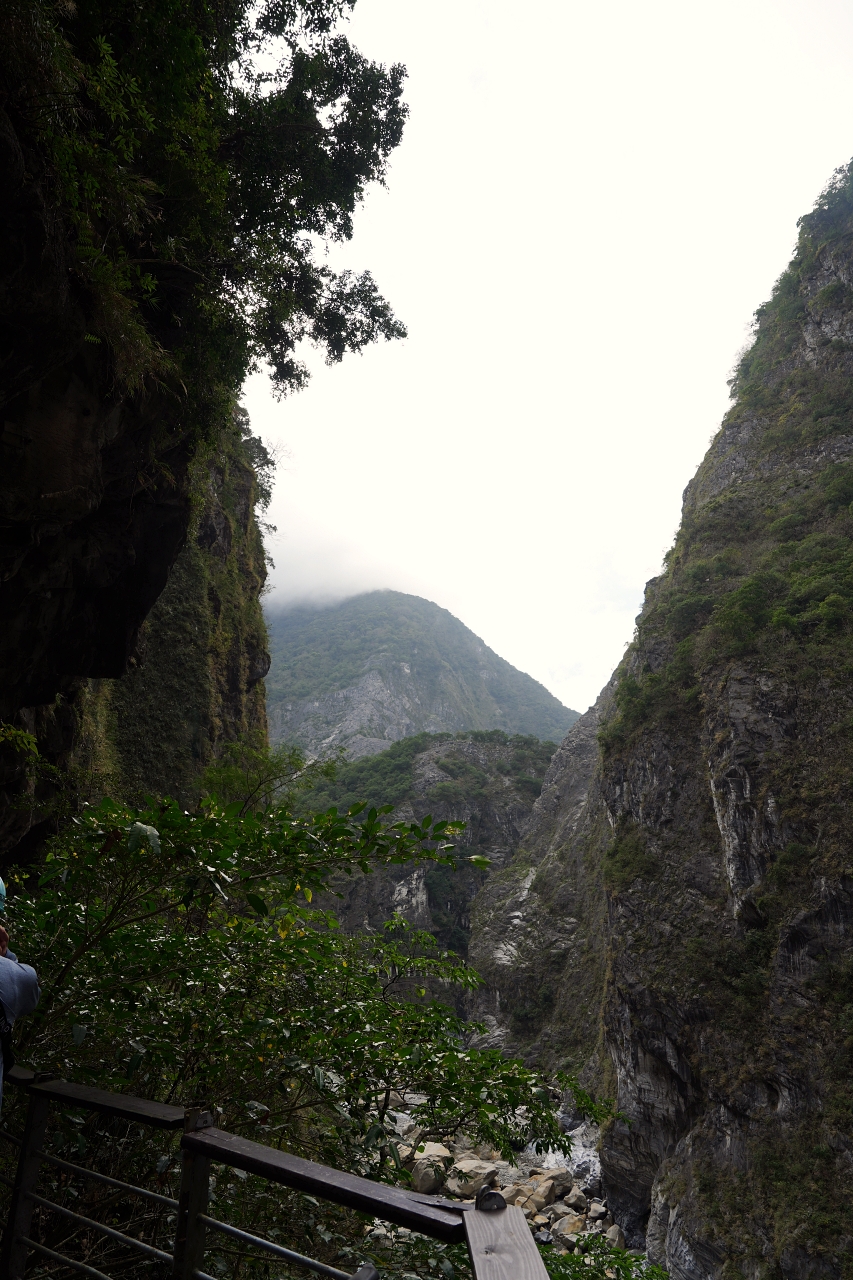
681, 908
393, 777
385, 665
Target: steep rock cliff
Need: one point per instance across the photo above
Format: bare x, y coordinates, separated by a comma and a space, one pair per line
94, 482
683, 899
194, 680
539, 923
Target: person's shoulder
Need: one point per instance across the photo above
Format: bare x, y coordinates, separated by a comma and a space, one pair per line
11, 968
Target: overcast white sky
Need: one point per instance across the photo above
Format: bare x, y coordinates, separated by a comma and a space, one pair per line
589, 203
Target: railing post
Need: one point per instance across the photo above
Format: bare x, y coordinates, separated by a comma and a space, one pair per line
13, 1252
192, 1200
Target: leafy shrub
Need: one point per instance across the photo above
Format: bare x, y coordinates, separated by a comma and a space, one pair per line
748, 608
463, 770
599, 1260
452, 793
531, 787
837, 484
688, 613
180, 957
791, 864
788, 526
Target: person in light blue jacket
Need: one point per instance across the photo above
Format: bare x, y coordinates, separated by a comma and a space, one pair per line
19, 993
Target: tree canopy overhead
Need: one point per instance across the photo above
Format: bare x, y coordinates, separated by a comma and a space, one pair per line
201, 155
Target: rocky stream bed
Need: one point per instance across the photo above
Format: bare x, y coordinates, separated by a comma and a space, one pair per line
562, 1198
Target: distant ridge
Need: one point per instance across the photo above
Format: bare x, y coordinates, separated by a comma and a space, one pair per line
385, 665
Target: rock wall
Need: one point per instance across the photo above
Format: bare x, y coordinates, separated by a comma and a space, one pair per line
379, 708
95, 496
678, 921
195, 680
193, 676
539, 923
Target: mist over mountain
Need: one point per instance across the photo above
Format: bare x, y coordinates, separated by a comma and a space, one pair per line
385, 665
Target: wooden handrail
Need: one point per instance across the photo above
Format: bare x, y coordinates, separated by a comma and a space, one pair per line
155, 1114
394, 1204
499, 1241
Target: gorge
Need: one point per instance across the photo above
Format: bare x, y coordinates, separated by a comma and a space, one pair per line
668, 909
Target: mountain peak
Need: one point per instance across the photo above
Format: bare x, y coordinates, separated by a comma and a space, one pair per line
384, 665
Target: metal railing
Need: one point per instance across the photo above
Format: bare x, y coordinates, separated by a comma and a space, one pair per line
498, 1237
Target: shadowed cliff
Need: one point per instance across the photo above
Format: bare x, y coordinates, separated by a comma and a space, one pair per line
153, 252
194, 680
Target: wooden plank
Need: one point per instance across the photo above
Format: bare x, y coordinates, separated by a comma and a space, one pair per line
501, 1246
156, 1114
394, 1204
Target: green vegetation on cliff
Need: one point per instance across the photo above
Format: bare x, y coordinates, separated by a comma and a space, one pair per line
487, 781
759, 564
389, 777
762, 568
